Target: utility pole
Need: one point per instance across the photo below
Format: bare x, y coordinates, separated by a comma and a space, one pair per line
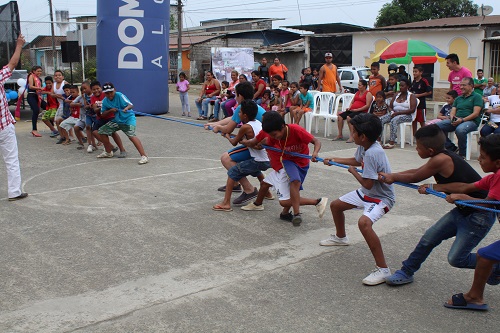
54, 55
179, 36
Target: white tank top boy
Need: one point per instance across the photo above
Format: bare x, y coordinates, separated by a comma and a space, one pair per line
258, 155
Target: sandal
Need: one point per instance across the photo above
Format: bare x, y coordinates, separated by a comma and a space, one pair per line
388, 146
458, 302
219, 208
339, 138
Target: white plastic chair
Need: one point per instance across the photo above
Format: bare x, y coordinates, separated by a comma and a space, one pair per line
323, 103
346, 100
402, 128
470, 137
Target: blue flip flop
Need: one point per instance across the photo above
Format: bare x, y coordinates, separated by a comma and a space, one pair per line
459, 302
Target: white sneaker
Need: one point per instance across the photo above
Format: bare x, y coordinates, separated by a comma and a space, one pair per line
333, 240
105, 154
321, 206
90, 149
144, 160
252, 206
378, 276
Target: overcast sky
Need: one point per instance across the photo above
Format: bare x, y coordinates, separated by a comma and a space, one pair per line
360, 12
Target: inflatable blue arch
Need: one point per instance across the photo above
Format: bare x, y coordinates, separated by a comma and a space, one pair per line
132, 50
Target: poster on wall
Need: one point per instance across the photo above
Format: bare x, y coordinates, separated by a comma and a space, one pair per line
227, 59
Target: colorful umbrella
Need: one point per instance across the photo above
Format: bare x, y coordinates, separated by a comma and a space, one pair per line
409, 50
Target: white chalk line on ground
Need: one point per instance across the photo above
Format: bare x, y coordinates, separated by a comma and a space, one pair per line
126, 180
203, 279
110, 160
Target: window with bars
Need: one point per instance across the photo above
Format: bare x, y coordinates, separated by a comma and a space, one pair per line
495, 61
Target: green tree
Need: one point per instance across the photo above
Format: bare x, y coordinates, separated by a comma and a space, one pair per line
406, 11
173, 22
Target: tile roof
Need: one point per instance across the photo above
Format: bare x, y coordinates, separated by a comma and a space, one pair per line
448, 22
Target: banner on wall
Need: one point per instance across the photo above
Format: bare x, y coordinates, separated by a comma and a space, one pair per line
227, 59
132, 50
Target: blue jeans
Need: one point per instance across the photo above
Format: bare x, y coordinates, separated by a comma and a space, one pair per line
469, 230
217, 107
487, 130
203, 105
461, 132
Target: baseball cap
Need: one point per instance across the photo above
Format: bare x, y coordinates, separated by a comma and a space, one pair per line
328, 54
107, 87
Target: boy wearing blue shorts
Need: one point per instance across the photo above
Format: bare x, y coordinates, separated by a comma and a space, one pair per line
124, 121
243, 91
487, 266
375, 197
467, 225
258, 161
289, 171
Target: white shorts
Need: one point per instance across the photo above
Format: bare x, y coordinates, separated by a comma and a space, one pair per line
80, 123
69, 123
279, 180
60, 111
374, 209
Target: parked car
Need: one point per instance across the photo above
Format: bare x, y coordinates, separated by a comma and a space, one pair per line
350, 76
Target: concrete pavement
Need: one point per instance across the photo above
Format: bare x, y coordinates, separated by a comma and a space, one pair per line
113, 246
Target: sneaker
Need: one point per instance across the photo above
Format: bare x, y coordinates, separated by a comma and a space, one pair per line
105, 154
333, 240
377, 276
399, 278
54, 134
144, 160
61, 140
286, 217
80, 146
115, 149
321, 206
246, 197
252, 206
19, 197
237, 188
123, 154
90, 149
297, 220
84, 140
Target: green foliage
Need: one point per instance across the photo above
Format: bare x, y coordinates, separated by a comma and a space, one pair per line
173, 22
90, 71
406, 11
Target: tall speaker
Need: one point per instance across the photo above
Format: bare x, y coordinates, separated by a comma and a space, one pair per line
70, 51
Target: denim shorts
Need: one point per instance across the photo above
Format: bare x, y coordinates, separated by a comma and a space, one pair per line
90, 120
249, 167
239, 154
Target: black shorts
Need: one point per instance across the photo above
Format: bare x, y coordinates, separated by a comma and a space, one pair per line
98, 123
349, 114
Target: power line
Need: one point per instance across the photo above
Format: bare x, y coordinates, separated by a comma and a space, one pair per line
300, 16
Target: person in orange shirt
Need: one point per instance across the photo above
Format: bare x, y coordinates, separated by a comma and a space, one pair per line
277, 68
376, 81
328, 76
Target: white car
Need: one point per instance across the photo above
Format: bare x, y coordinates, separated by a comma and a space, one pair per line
350, 76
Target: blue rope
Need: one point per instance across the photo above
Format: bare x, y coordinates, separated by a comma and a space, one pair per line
467, 203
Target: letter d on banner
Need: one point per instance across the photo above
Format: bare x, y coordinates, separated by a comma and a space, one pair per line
132, 50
